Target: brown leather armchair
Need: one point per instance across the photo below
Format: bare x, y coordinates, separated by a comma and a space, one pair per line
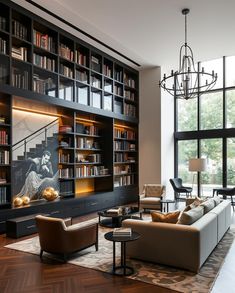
56, 238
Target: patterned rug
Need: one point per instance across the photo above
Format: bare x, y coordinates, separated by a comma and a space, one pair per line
168, 277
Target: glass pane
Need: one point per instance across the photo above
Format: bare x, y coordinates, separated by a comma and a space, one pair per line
230, 108
187, 115
66, 90
230, 71
108, 102
96, 99
211, 149
82, 95
211, 111
187, 149
231, 162
217, 66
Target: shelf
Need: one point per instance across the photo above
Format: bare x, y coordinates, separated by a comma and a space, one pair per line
125, 174
125, 151
87, 135
95, 150
91, 177
39, 49
88, 163
124, 139
5, 125
124, 163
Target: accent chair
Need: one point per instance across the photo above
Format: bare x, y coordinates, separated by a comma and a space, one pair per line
151, 196
56, 238
179, 188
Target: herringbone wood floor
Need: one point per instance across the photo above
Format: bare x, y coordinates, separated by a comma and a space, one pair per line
23, 272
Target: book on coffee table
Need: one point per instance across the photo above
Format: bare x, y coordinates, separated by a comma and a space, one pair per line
122, 232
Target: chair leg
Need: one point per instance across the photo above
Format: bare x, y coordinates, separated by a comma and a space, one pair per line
96, 246
41, 253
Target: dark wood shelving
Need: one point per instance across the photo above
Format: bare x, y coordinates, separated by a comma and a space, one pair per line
87, 105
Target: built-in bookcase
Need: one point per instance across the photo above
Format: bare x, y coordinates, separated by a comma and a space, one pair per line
51, 62
5, 151
125, 154
96, 95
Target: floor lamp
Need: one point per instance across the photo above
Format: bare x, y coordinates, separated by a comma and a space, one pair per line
197, 165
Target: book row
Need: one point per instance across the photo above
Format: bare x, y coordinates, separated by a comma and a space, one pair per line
87, 129
122, 133
91, 158
66, 71
20, 78
64, 158
3, 46
4, 157
124, 146
87, 143
129, 81
123, 158
124, 180
19, 30
86, 171
44, 62
20, 53
4, 138
124, 169
129, 110
43, 86
3, 23
43, 41
3, 195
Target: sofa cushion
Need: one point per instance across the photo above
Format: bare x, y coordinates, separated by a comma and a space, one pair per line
191, 216
165, 218
208, 205
150, 200
217, 200
194, 200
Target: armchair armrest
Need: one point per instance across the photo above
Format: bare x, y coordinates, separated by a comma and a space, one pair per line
142, 195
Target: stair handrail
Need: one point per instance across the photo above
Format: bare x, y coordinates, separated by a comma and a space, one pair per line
25, 140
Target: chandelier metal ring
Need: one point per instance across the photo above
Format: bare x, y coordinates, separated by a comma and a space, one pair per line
187, 82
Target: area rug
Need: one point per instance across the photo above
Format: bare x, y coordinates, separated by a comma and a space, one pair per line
168, 277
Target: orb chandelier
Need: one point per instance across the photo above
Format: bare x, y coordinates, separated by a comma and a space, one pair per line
187, 82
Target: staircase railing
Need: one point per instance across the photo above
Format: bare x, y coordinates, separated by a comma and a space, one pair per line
27, 139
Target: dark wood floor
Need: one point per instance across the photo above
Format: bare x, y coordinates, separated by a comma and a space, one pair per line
23, 272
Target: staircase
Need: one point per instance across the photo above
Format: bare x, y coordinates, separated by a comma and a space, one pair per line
33, 146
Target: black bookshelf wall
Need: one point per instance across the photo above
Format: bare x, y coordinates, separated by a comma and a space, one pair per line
98, 139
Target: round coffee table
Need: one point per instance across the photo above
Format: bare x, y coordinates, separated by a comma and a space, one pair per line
123, 269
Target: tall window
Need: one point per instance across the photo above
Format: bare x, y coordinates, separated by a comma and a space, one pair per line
205, 128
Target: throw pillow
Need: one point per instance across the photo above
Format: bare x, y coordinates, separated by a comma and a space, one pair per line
165, 218
191, 216
208, 205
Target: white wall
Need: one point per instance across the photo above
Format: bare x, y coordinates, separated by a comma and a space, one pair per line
156, 129
150, 127
167, 141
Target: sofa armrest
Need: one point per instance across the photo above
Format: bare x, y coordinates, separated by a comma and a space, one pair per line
142, 195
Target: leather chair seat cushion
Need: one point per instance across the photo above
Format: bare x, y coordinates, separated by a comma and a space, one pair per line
150, 200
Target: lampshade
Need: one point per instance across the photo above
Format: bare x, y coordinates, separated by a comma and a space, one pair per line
197, 165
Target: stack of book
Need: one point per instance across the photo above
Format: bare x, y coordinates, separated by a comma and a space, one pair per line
122, 232
19, 53
115, 211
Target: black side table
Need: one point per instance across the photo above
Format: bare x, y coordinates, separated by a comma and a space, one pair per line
123, 269
165, 204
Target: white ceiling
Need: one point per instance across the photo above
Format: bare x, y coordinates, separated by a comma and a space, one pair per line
152, 31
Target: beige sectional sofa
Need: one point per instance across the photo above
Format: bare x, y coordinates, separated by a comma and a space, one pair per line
183, 246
